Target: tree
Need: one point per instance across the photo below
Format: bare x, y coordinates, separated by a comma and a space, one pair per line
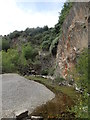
5, 44
9, 61
53, 47
29, 52
64, 12
45, 28
46, 45
15, 34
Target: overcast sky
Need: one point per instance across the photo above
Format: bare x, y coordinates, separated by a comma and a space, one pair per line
20, 14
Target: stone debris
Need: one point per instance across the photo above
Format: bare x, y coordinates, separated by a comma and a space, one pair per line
36, 118
21, 114
48, 77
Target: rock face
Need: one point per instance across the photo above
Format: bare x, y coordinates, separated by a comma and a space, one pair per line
74, 38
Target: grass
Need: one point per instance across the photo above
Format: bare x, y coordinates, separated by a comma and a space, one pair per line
55, 87
65, 98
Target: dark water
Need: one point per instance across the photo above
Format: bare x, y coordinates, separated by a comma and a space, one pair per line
56, 108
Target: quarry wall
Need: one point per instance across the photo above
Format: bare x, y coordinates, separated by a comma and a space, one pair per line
74, 38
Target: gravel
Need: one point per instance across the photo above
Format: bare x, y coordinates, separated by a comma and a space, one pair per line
19, 93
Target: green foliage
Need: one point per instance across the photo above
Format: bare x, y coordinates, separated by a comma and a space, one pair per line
48, 37
35, 31
81, 79
37, 66
59, 79
53, 47
64, 12
27, 44
81, 72
0, 62
15, 34
9, 61
15, 61
45, 45
44, 72
12, 61
22, 65
5, 44
51, 71
45, 28
69, 91
0, 44
80, 109
29, 52
37, 39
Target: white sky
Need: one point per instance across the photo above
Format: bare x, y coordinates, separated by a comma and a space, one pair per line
18, 15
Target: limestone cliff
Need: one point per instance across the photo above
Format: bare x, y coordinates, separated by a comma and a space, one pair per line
74, 38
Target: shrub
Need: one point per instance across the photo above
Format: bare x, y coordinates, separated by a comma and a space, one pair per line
81, 71
5, 44
0, 43
59, 79
80, 76
12, 61
22, 64
51, 71
9, 59
29, 52
37, 66
15, 34
53, 47
44, 72
64, 12
45, 45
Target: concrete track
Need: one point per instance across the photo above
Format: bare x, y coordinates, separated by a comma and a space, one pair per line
19, 93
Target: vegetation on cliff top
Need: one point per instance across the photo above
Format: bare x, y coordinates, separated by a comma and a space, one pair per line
29, 45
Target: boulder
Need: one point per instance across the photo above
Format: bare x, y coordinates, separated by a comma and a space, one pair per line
63, 83
21, 114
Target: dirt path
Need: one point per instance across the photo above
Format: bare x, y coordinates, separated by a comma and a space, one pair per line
19, 93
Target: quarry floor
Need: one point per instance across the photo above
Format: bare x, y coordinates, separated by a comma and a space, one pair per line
19, 93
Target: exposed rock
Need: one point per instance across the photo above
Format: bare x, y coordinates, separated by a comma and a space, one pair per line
64, 83
48, 77
21, 114
78, 88
36, 118
73, 39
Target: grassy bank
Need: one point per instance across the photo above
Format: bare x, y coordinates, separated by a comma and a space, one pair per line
69, 91
57, 107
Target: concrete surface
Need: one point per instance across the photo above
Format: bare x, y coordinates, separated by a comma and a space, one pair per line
19, 93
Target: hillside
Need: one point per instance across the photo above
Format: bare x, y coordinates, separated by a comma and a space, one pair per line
36, 46
60, 52
32, 45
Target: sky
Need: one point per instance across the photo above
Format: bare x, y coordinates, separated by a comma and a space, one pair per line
20, 14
